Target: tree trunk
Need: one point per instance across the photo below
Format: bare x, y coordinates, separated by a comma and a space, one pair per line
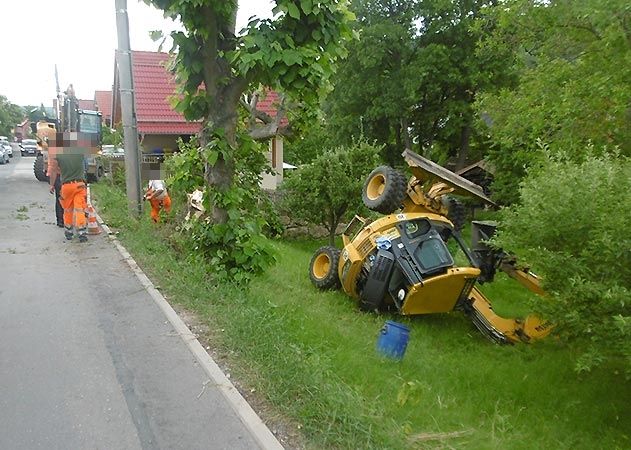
463, 152
405, 132
332, 236
219, 177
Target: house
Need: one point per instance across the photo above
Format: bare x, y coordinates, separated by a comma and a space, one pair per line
22, 130
480, 173
103, 103
159, 125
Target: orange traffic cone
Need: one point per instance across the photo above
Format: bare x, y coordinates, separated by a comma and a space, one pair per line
93, 225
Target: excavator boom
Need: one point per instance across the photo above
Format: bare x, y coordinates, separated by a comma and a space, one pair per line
499, 329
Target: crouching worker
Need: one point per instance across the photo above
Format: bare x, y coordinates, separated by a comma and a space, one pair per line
66, 161
158, 197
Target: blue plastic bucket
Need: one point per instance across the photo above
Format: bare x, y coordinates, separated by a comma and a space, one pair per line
393, 340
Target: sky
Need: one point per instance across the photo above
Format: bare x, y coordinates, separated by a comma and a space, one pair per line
79, 36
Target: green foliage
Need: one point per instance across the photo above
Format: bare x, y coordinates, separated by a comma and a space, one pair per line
296, 51
10, 116
214, 65
112, 136
571, 67
306, 147
573, 226
186, 167
237, 249
411, 78
328, 189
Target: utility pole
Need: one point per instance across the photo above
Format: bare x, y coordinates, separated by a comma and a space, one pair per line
130, 131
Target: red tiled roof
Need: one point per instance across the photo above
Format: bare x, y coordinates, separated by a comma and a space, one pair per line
153, 86
83, 104
103, 100
268, 103
86, 104
168, 128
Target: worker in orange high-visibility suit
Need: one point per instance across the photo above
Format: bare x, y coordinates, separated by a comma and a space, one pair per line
158, 197
69, 165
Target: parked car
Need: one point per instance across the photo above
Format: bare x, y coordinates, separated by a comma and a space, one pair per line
8, 148
112, 150
4, 156
29, 147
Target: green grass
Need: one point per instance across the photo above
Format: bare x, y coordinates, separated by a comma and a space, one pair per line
311, 355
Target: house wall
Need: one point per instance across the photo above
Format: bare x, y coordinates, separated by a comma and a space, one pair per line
275, 156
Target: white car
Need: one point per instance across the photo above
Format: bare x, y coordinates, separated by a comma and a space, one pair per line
8, 148
4, 156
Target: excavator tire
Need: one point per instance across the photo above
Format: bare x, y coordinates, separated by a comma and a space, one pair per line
38, 168
384, 190
457, 213
323, 268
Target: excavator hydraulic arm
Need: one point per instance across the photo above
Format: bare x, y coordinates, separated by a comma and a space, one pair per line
500, 329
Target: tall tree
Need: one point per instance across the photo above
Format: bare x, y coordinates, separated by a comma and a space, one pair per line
219, 69
572, 62
214, 66
450, 75
374, 88
10, 115
412, 77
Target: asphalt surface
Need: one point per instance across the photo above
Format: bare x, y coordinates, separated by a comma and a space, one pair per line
87, 359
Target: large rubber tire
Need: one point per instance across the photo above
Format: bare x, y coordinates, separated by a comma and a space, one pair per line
457, 213
323, 268
384, 190
38, 168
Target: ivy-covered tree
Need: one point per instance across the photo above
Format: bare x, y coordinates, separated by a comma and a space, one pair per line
216, 65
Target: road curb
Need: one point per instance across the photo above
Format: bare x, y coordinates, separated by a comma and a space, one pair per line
260, 432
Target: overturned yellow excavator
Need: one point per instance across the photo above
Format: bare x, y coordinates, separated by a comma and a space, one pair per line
413, 259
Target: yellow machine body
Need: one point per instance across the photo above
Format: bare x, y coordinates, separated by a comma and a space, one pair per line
413, 259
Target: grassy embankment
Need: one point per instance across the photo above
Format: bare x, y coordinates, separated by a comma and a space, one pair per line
312, 356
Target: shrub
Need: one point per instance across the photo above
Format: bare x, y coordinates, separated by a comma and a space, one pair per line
327, 190
574, 227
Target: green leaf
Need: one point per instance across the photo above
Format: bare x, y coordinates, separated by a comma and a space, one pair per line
293, 11
156, 35
306, 6
291, 57
211, 157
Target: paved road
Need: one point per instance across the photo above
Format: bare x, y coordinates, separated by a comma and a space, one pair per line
87, 359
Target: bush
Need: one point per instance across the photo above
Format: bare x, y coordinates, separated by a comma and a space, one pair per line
574, 227
327, 190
